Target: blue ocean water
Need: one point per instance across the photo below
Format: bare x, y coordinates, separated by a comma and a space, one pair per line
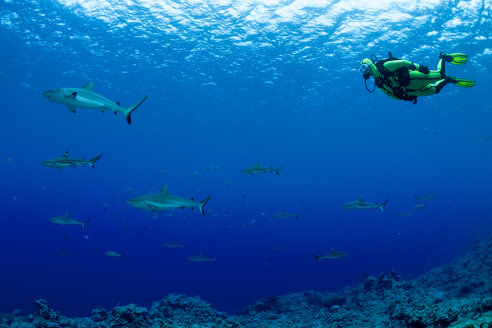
232, 83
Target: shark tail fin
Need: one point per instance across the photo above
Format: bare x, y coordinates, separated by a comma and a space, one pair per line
316, 257
278, 170
383, 204
84, 224
129, 110
94, 160
203, 203
297, 215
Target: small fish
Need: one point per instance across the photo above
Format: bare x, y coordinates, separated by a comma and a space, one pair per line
361, 204
65, 161
420, 206
333, 255
65, 220
257, 168
402, 213
172, 245
286, 215
113, 254
201, 258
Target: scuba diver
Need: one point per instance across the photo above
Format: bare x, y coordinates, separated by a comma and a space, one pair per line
402, 79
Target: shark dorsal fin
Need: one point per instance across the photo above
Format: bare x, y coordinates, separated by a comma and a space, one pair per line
257, 164
333, 250
66, 215
164, 189
65, 154
361, 199
89, 86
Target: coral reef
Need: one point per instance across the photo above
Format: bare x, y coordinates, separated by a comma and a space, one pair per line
458, 295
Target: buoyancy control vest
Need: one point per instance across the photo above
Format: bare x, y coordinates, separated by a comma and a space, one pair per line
386, 80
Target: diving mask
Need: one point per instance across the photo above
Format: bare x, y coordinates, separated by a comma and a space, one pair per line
365, 70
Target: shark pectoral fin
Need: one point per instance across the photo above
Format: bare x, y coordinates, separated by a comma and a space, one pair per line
118, 103
72, 109
153, 208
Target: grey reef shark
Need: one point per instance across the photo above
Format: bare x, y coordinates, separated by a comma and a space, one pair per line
333, 255
201, 258
361, 204
85, 97
257, 168
163, 200
65, 161
65, 220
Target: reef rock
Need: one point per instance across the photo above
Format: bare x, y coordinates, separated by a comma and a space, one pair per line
458, 295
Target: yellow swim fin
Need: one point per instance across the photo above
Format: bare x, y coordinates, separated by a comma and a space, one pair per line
464, 83
456, 58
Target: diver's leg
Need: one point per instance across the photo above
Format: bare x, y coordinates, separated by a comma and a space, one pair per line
429, 89
441, 67
420, 80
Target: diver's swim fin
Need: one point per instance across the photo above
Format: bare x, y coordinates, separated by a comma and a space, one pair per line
464, 83
455, 58
458, 59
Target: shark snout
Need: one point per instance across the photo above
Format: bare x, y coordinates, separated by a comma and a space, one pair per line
48, 93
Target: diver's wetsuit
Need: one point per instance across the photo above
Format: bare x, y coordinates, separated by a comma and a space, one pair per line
402, 79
